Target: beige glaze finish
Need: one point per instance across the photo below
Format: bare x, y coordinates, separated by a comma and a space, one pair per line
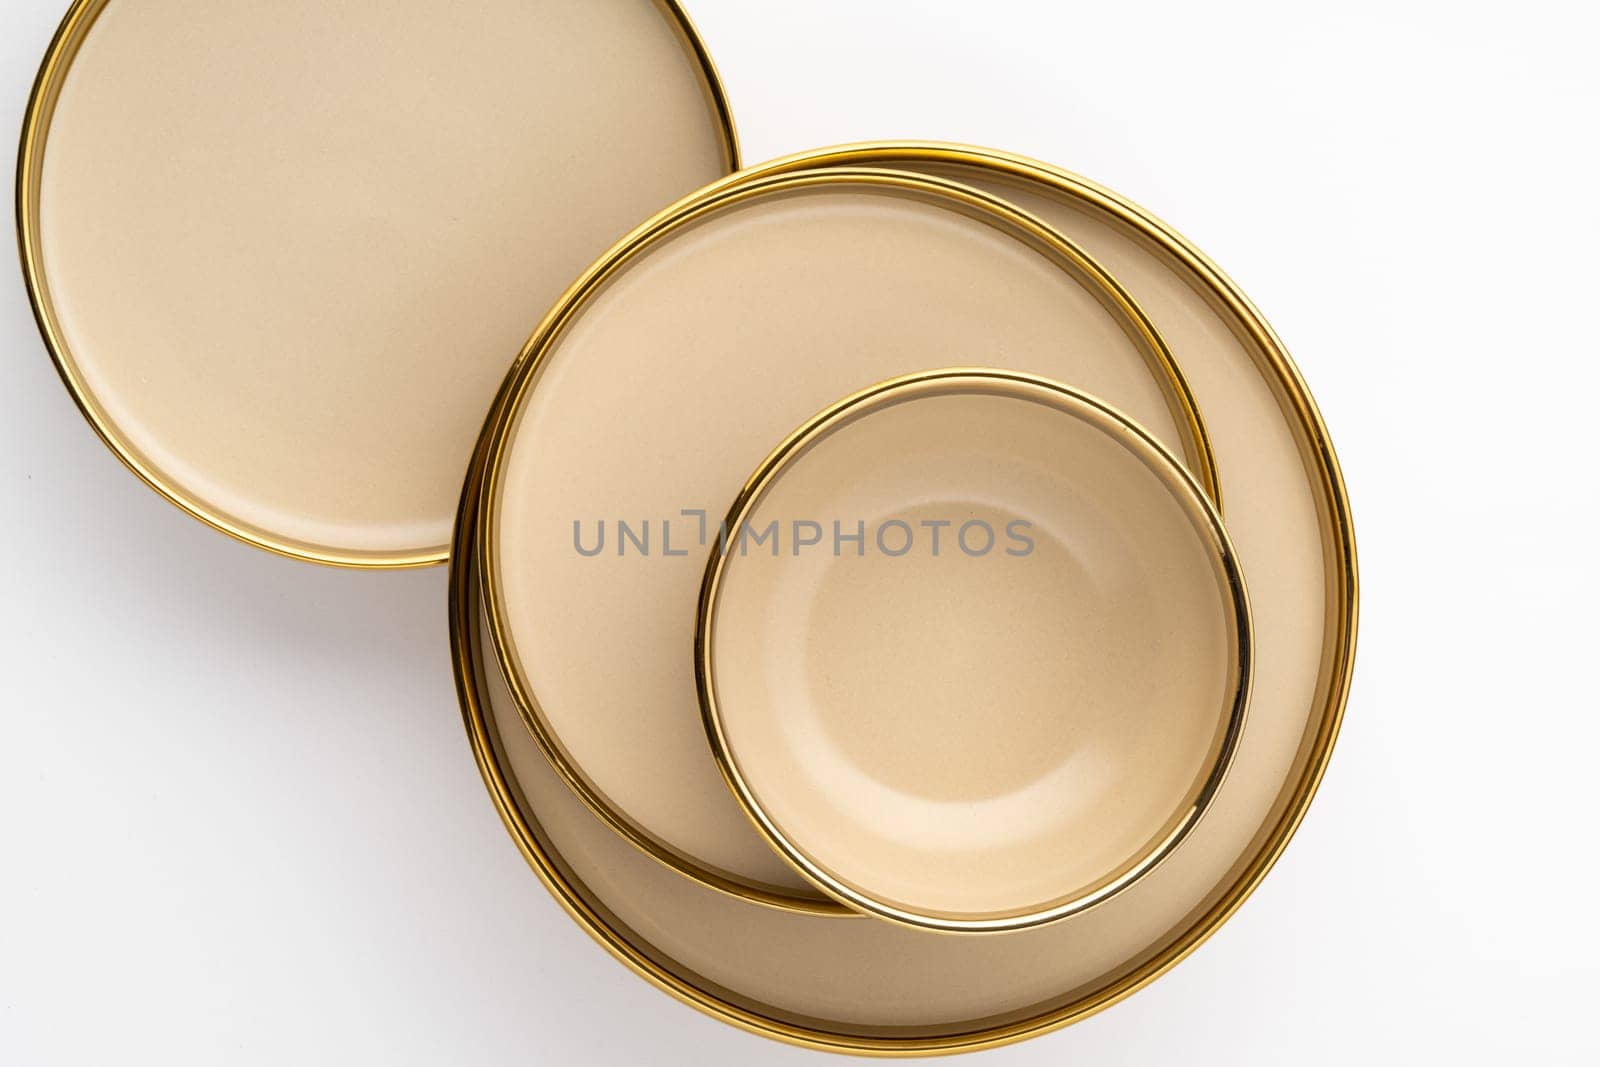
286, 251
880, 988
655, 395
986, 724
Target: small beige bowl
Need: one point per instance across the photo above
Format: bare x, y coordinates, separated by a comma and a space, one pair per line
974, 650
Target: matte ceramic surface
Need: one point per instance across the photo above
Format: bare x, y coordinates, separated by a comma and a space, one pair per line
652, 393
873, 987
1015, 693
285, 252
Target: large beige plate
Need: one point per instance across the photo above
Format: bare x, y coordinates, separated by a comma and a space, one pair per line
877, 988
282, 253
663, 378
1015, 684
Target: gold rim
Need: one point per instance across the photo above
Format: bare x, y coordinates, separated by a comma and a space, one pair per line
53, 72
1332, 685
734, 190
1157, 457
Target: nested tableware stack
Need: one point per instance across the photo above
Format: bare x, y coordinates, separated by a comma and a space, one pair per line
902, 594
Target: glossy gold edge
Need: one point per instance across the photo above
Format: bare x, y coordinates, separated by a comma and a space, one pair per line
69, 37
1195, 269
1202, 515
728, 192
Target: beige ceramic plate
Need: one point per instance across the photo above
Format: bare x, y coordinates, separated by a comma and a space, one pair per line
974, 653
664, 377
881, 988
283, 253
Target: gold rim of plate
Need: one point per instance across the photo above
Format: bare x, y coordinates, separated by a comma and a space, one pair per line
1333, 683
733, 190
53, 72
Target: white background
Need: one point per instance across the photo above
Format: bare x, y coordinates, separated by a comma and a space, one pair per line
239, 822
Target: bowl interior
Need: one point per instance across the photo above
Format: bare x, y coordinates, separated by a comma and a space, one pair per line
974, 652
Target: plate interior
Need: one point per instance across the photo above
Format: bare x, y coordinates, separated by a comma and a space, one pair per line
667, 384
284, 253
